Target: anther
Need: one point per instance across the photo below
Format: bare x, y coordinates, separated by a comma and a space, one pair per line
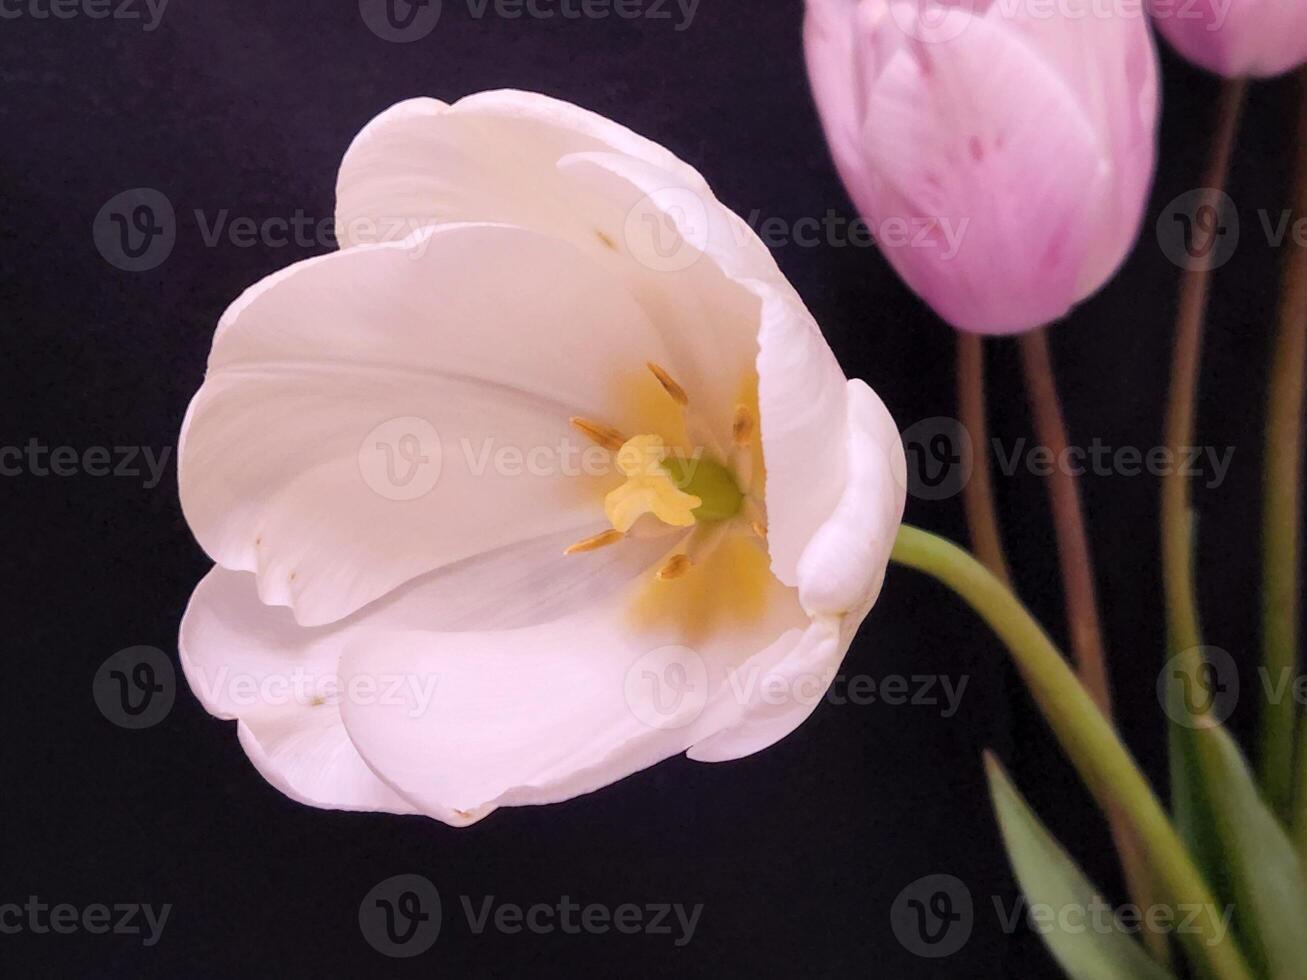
669, 385
676, 566
601, 540
742, 427
604, 435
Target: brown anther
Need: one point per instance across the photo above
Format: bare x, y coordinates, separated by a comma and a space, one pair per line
603, 435
742, 426
601, 540
669, 385
676, 566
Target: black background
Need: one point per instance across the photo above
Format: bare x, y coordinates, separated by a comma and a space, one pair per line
797, 853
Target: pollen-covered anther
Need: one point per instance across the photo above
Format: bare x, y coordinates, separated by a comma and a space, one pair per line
598, 432
743, 426
669, 385
601, 540
675, 567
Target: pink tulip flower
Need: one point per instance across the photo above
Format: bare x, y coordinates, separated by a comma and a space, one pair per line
1002, 152
1236, 37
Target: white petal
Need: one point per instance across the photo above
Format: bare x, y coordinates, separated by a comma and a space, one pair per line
840, 576
253, 662
489, 337
243, 660
488, 157
755, 313
544, 714
843, 565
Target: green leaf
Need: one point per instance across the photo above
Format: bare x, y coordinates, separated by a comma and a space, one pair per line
1265, 874
1093, 946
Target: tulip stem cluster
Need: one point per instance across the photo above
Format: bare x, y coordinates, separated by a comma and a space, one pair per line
1084, 732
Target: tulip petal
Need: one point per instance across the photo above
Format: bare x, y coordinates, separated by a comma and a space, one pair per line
242, 660
252, 662
1110, 61
543, 714
757, 315
1261, 38
976, 137
488, 157
290, 465
840, 576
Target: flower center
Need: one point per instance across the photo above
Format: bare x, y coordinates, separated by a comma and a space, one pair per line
706, 492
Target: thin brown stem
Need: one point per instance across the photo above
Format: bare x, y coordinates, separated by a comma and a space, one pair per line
1177, 537
978, 492
1069, 521
1282, 531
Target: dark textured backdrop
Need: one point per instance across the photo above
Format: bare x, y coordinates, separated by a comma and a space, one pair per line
797, 853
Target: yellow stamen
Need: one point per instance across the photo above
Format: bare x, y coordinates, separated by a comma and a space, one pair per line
675, 567
759, 528
601, 540
604, 435
669, 385
743, 427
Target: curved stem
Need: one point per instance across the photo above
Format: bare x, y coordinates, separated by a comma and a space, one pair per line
1282, 530
1083, 731
1177, 538
1069, 521
1077, 567
978, 492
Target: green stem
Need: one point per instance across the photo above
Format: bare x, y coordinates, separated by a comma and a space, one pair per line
1085, 734
1281, 530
